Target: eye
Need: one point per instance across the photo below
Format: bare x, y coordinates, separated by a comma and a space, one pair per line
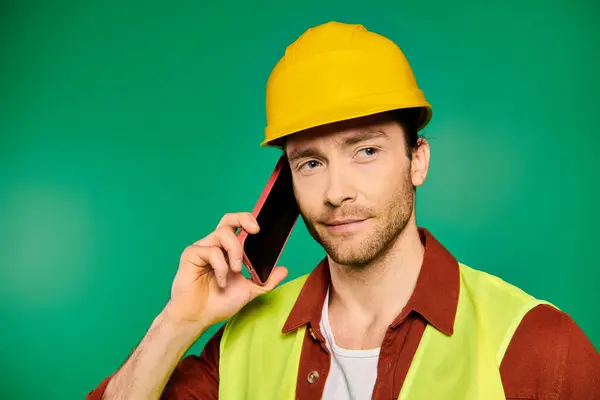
367, 152
309, 165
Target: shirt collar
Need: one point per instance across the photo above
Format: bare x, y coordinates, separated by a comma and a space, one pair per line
435, 296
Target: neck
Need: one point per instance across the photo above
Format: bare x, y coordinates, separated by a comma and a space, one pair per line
377, 293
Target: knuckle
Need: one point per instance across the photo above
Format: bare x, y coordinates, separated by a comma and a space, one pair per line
221, 232
226, 237
228, 217
191, 249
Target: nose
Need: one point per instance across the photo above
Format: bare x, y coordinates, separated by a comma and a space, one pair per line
339, 185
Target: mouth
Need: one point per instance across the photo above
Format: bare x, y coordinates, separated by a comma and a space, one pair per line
345, 225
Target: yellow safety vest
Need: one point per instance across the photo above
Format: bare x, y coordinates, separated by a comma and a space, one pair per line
257, 361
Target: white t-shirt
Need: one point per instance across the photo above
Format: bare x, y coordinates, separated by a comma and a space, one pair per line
352, 373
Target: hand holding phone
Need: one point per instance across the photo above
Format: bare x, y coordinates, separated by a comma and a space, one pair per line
208, 286
276, 212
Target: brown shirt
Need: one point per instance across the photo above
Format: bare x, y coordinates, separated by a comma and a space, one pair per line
549, 356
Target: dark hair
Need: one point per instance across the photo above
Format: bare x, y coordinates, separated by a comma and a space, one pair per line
409, 119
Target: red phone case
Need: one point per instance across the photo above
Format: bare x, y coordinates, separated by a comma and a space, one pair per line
242, 234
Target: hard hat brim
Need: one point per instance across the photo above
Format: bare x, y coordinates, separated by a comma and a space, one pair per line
349, 111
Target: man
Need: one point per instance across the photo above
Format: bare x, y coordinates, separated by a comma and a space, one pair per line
389, 313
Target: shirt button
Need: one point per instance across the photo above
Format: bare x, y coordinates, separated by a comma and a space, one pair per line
312, 377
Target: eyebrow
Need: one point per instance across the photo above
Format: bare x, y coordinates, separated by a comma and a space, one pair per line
364, 135
302, 153
354, 139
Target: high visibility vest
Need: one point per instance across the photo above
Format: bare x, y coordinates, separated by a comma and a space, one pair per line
257, 361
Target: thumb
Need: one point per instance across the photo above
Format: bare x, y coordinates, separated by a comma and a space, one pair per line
277, 276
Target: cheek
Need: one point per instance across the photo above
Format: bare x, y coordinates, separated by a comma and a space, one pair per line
377, 179
307, 197
383, 185
374, 192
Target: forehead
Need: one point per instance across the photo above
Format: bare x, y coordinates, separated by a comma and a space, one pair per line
339, 132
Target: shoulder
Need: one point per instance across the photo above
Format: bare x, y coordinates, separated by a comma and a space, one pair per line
544, 332
550, 356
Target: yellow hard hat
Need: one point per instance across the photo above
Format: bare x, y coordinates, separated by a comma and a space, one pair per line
338, 71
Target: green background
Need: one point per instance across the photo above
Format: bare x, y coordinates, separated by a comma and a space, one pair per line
128, 128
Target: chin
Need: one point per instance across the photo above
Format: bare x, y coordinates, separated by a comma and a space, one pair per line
356, 261
351, 251
354, 249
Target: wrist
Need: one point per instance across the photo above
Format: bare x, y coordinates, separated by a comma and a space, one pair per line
180, 327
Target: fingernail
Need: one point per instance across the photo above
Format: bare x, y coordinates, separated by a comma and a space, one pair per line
223, 282
238, 265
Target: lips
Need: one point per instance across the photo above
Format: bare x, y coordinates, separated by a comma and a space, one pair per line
346, 226
344, 221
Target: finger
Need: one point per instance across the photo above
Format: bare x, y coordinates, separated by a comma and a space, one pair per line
202, 256
242, 220
219, 265
227, 240
277, 276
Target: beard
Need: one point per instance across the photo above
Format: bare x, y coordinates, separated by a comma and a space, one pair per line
360, 249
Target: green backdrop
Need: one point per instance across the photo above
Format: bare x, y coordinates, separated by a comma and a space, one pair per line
128, 128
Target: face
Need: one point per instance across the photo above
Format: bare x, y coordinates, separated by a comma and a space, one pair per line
355, 185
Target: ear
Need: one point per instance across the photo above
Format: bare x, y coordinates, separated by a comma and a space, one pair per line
420, 162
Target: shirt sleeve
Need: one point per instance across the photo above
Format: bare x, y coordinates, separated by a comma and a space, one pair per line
195, 377
551, 357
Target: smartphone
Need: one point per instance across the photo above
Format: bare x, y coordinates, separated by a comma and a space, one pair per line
276, 212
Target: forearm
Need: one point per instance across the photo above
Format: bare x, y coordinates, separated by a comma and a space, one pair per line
148, 369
